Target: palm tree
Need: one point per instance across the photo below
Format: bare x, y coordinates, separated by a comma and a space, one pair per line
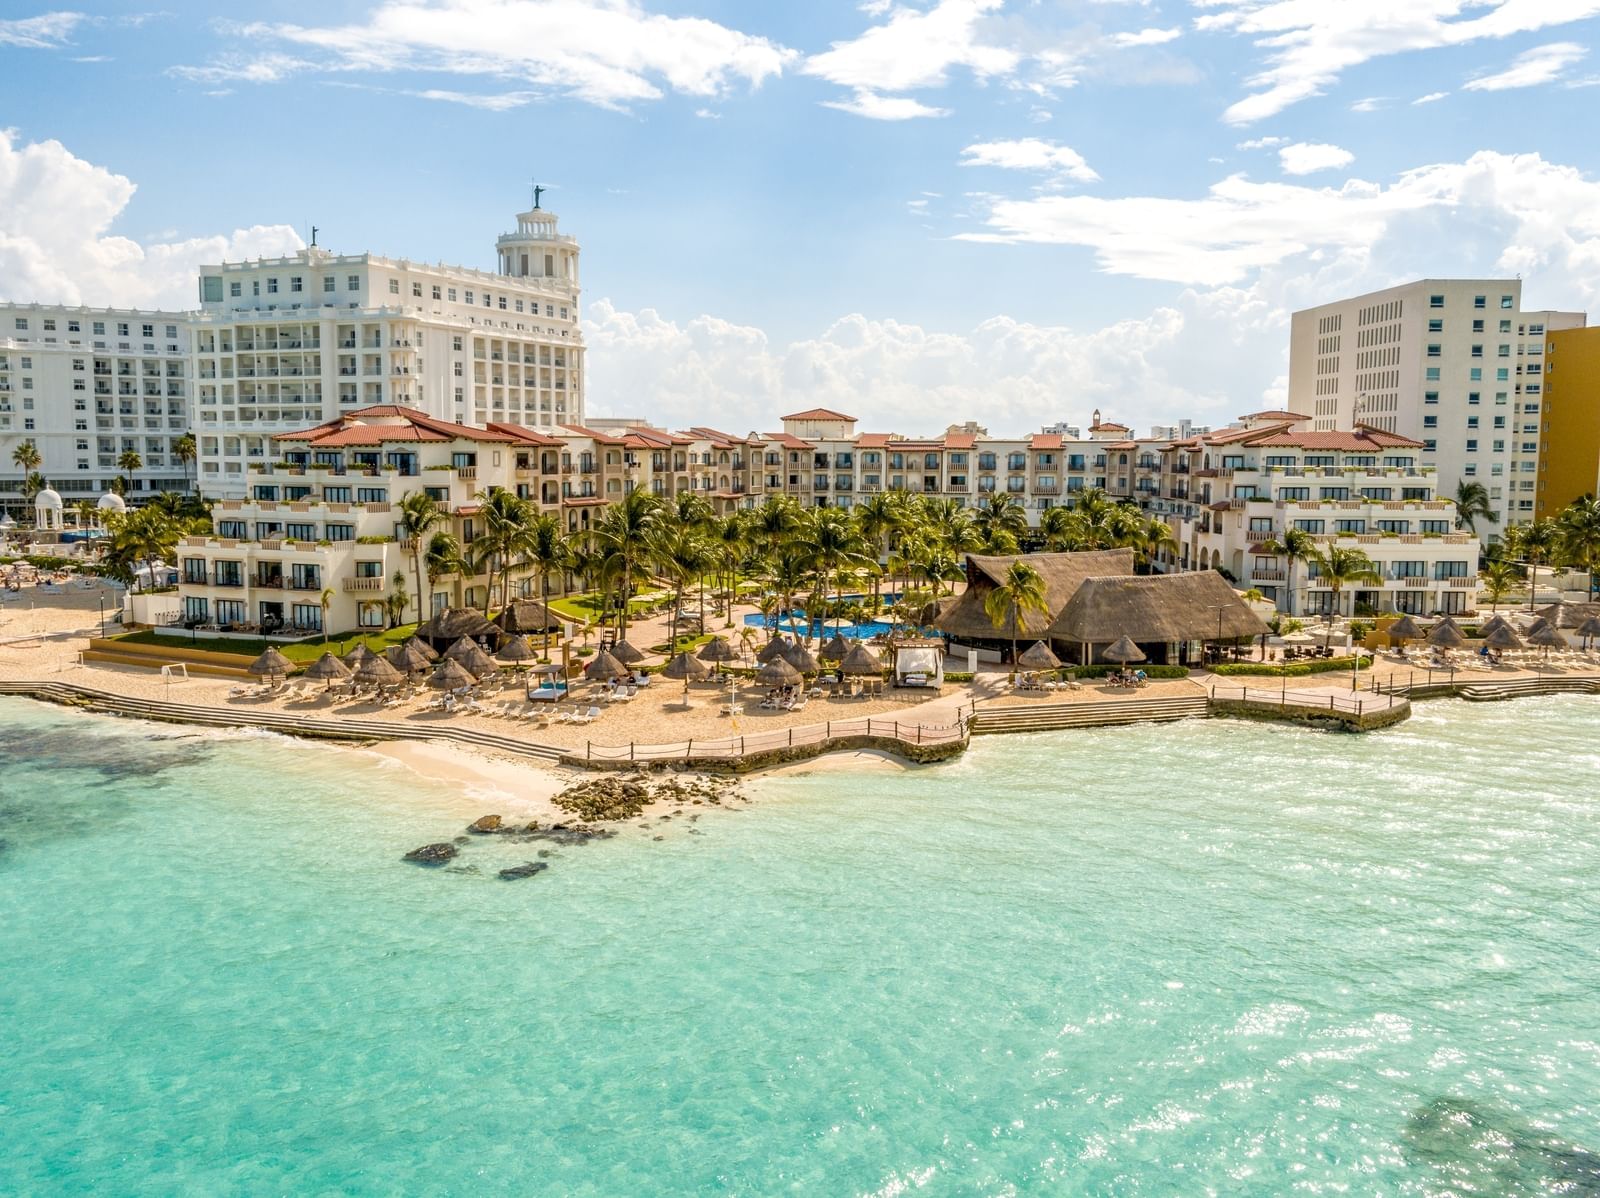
1295, 545
1152, 538
833, 542
624, 537
547, 550
506, 517
730, 541
146, 534
691, 510
26, 456
130, 463
443, 556
420, 514
879, 518
1579, 536
1060, 528
685, 555
326, 600
1472, 504
1011, 603
185, 450
1338, 567
1001, 521
1500, 577
1535, 542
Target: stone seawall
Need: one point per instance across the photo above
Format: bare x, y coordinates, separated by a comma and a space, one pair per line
1295, 713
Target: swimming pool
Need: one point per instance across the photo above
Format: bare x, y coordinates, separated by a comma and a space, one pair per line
796, 621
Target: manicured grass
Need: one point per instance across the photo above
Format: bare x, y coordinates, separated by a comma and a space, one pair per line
303, 652
585, 608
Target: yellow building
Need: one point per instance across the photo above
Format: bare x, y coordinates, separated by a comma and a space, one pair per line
1569, 450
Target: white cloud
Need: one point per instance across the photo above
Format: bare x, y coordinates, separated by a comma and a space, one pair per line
884, 108
607, 52
491, 103
1145, 37
1308, 157
1542, 64
1430, 98
1262, 143
1369, 104
49, 31
242, 68
1030, 154
1308, 46
56, 211
1542, 216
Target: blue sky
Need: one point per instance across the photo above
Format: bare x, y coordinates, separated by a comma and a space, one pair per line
924, 212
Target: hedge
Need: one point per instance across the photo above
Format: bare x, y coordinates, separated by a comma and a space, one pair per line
1149, 671
1293, 669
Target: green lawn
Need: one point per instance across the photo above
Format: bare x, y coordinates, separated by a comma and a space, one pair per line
304, 652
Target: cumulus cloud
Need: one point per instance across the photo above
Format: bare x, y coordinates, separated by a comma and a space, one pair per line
1542, 64
1308, 157
56, 212
1144, 37
1262, 143
1430, 98
1307, 47
878, 107
915, 49
607, 52
1030, 154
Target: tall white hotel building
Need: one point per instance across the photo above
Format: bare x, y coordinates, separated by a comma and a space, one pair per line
281, 344
1457, 364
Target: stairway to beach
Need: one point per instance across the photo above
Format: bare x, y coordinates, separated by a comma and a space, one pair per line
1047, 717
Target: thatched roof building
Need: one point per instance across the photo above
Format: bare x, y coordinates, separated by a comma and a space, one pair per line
1063, 574
1155, 611
1569, 615
528, 615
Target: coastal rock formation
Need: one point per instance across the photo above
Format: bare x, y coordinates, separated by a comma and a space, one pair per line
486, 825
525, 870
610, 797
433, 854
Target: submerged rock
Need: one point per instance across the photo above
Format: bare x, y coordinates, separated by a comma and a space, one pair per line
525, 870
433, 854
482, 827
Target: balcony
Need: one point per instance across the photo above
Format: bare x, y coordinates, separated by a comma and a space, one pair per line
467, 473
362, 584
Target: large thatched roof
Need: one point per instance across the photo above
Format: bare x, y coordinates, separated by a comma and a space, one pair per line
528, 615
1156, 608
1570, 615
454, 623
1063, 573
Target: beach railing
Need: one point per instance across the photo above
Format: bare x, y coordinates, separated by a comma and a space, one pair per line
1328, 701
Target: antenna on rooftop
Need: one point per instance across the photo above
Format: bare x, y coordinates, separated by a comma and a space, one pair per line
313, 236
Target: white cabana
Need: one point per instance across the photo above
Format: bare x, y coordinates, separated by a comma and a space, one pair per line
919, 662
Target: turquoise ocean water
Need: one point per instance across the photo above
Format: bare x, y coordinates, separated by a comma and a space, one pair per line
1208, 958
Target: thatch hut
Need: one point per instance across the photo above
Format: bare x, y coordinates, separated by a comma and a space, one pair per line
1570, 615
860, 662
468, 652
1063, 574
1161, 613
271, 664
527, 616
776, 647
1038, 656
450, 625
329, 669
604, 668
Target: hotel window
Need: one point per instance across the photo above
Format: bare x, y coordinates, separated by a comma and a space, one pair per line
451, 295
1430, 445
100, 326
394, 286
339, 532
371, 495
1436, 325
1480, 301
467, 296
370, 615
986, 461
1350, 526
1477, 351
352, 283
1475, 374
1409, 570
1473, 397
1436, 301
1505, 301
1434, 349
1016, 461
1294, 494
416, 290
1433, 374
1430, 397
1335, 493
306, 615
1311, 526
1260, 523
1450, 569
1472, 422
329, 283
1502, 374
1502, 350
1500, 421
300, 532
1435, 526
1472, 445
1477, 326
230, 611
1395, 526
436, 294
295, 284
272, 289
1430, 421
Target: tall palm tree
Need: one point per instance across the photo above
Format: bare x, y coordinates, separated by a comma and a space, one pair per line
684, 554
547, 550
1000, 521
443, 556
1011, 603
1579, 536
730, 541
506, 517
879, 518
834, 544
1500, 578
325, 601
185, 450
420, 514
624, 537
1338, 567
1472, 504
1295, 545
691, 510
26, 456
130, 463
1152, 538
1536, 543
1060, 528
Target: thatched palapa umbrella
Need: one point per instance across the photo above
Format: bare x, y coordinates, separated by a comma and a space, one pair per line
1503, 638
406, 658
778, 672
687, 667
271, 664
1588, 630
518, 651
376, 671
1446, 635
860, 662
470, 654
329, 669
356, 656
718, 650
1543, 635
835, 649
450, 675
801, 659
1123, 651
626, 653
1404, 629
773, 648
604, 667
422, 647
1493, 622
1038, 656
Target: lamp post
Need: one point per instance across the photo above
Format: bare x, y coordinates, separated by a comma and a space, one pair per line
1219, 608
100, 597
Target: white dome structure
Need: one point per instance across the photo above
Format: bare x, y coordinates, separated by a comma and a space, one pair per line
111, 502
47, 509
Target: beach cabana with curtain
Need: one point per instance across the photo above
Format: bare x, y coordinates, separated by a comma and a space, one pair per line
918, 661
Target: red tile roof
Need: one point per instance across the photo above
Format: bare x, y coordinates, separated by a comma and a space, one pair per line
1050, 440
787, 441
350, 428
1362, 437
872, 440
527, 435
960, 440
1276, 414
1108, 425
818, 414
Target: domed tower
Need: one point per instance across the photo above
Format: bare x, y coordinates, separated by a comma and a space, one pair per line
539, 250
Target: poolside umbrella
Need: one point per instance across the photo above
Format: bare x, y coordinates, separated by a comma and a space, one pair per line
689, 668
422, 647
718, 650
1123, 651
1588, 630
1038, 656
406, 658
778, 672
518, 650
773, 648
604, 667
835, 649
1404, 629
450, 675
329, 669
356, 656
470, 654
271, 664
626, 653
1543, 635
376, 671
860, 661
1446, 635
1503, 638
801, 658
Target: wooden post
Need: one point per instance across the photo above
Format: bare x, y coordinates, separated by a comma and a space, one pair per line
588, 750
630, 750
791, 737
688, 750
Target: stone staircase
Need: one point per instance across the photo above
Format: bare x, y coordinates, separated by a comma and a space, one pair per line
1519, 687
1046, 717
113, 652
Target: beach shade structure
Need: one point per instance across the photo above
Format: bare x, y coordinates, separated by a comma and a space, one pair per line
718, 650
1038, 656
1502, 638
773, 648
422, 647
860, 662
271, 664
528, 615
1123, 651
687, 667
778, 672
1492, 623
1404, 629
518, 651
1446, 635
1298, 638
626, 653
1588, 630
376, 671
603, 668
450, 675
329, 669
835, 649
406, 658
470, 654
1543, 635
801, 659
356, 656
450, 625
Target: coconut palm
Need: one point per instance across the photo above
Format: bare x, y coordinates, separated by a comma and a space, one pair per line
1020, 595
1000, 521
506, 517
1579, 536
1295, 545
130, 463
185, 450
420, 514
443, 556
1338, 567
1060, 528
1500, 578
1535, 542
26, 456
624, 538
1152, 538
1472, 504
878, 518
690, 509
546, 549
834, 544
684, 554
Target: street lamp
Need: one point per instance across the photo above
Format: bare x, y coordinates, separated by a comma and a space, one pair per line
100, 597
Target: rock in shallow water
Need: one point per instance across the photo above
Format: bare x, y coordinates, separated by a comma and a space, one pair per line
433, 854
526, 870
489, 823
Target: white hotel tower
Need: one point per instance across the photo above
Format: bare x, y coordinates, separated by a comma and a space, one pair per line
282, 344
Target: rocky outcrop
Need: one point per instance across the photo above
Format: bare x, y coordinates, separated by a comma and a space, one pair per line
610, 797
433, 854
526, 870
485, 826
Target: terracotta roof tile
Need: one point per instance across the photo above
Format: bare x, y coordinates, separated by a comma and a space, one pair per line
818, 414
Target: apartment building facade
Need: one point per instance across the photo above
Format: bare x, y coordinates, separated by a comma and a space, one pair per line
1569, 436
1457, 364
85, 386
